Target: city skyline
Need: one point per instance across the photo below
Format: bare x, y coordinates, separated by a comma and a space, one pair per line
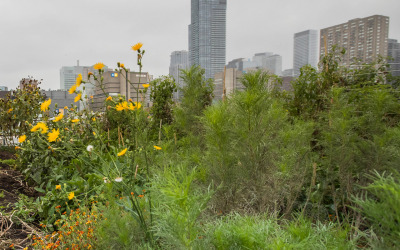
38, 38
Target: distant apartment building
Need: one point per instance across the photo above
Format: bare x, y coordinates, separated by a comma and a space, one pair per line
231, 77
305, 50
3, 88
179, 61
394, 56
115, 84
363, 38
207, 35
25, 82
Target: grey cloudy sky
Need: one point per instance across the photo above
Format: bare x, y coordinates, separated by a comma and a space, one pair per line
38, 37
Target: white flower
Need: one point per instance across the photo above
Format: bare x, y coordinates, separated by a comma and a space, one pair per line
89, 148
105, 179
118, 179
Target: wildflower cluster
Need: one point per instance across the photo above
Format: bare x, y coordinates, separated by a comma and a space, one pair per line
77, 231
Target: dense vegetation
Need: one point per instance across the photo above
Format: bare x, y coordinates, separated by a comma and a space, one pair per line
314, 168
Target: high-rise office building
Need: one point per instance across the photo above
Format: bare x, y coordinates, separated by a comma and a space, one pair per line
207, 35
179, 61
305, 50
363, 38
394, 56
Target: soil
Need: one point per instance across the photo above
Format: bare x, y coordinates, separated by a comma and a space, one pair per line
12, 184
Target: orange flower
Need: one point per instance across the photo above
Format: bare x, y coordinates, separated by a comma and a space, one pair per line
58, 187
98, 66
109, 98
137, 46
122, 152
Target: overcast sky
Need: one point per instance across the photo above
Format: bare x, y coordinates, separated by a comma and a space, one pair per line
38, 37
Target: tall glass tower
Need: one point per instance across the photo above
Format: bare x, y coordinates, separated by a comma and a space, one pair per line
207, 35
305, 50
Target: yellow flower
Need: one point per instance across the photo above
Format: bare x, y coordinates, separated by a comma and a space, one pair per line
72, 89
59, 117
98, 65
40, 125
22, 138
45, 105
94, 119
53, 135
78, 80
71, 195
58, 187
91, 97
109, 98
78, 97
137, 105
137, 46
16, 147
145, 85
119, 107
122, 65
94, 133
75, 120
157, 147
65, 107
122, 152
9, 111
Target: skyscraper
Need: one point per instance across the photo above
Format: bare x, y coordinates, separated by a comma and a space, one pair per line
394, 55
305, 50
179, 61
207, 35
363, 38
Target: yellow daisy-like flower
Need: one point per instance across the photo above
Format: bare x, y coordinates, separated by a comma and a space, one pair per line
22, 138
72, 89
79, 80
9, 111
75, 120
53, 135
146, 85
65, 107
109, 98
119, 107
157, 147
58, 118
122, 152
122, 65
94, 119
94, 133
137, 105
45, 105
58, 187
137, 46
78, 97
98, 66
40, 125
71, 195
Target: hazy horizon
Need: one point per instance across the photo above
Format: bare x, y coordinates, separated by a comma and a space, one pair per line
41, 36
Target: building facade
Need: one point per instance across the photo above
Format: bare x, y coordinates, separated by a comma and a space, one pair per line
179, 61
231, 76
115, 84
363, 38
305, 50
394, 56
207, 35
68, 74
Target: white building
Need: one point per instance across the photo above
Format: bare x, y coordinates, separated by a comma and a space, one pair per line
305, 50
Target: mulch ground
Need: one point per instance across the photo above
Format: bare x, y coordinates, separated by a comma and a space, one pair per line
12, 184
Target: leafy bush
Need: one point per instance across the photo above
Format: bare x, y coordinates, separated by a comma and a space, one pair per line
381, 208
